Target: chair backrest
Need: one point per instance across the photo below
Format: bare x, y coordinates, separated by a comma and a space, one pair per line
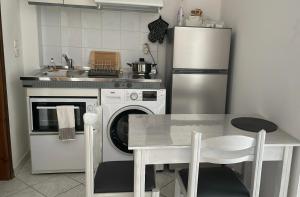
92, 126
226, 150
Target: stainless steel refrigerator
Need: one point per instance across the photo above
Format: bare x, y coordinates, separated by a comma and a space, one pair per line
197, 70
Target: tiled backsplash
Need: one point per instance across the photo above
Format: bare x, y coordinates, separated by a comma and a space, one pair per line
76, 32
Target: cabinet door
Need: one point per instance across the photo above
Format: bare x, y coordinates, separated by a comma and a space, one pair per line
46, 1
87, 3
49, 154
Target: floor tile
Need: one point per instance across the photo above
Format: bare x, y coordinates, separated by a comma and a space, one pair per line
56, 185
25, 168
29, 192
162, 180
79, 177
78, 191
161, 195
170, 174
168, 190
10, 187
32, 179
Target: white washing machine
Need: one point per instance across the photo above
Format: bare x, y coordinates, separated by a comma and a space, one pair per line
117, 105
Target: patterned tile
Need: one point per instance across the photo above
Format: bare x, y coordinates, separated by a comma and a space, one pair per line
31, 179
29, 192
163, 180
10, 187
78, 191
25, 168
79, 177
168, 190
161, 195
64, 185
169, 174
56, 185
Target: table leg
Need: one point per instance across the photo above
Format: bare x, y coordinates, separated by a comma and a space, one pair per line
285, 174
139, 174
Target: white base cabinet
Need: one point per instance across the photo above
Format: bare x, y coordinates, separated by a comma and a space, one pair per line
49, 154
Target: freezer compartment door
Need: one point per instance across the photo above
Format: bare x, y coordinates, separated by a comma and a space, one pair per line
199, 93
201, 48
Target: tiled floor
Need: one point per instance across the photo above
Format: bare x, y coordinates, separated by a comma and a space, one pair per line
63, 185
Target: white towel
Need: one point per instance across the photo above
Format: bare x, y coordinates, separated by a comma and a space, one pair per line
66, 122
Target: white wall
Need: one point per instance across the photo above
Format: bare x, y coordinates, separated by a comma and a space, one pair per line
30, 18
211, 8
266, 59
30, 41
76, 32
14, 69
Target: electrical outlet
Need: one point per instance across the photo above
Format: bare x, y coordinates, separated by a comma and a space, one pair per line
16, 52
16, 48
145, 48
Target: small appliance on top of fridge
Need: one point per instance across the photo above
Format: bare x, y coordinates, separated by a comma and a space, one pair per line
197, 70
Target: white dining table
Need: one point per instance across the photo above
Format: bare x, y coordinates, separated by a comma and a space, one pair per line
166, 139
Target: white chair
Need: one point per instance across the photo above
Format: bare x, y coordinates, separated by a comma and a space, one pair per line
221, 181
109, 179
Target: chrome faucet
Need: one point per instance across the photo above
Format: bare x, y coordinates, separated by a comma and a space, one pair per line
69, 61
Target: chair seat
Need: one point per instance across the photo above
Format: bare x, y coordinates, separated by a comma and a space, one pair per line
217, 182
118, 176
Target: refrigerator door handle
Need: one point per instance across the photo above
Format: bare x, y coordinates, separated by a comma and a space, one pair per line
200, 71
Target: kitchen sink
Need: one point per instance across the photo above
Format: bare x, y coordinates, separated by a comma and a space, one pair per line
64, 73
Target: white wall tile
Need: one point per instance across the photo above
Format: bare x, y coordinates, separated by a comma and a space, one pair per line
91, 18
130, 40
148, 57
111, 39
51, 36
145, 19
51, 52
144, 39
71, 37
71, 17
130, 21
111, 20
79, 31
75, 53
129, 56
86, 55
50, 15
91, 38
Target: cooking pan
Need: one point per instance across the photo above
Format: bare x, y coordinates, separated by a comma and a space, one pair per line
141, 67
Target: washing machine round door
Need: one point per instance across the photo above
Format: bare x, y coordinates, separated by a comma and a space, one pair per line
118, 127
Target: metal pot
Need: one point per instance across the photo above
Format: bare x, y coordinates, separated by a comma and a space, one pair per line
141, 67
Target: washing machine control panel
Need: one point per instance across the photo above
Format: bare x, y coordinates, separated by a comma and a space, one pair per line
142, 95
133, 95
118, 96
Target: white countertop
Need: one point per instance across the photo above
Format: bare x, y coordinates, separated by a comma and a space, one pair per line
155, 131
